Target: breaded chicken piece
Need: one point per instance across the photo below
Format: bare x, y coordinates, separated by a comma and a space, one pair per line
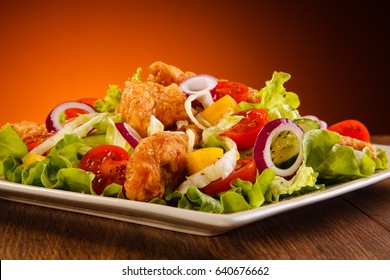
357, 144
28, 129
142, 100
158, 161
165, 74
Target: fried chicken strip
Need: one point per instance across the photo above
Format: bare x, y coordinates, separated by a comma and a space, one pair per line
142, 100
165, 74
28, 129
357, 144
158, 161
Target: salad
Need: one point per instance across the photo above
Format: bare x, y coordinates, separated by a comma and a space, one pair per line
188, 140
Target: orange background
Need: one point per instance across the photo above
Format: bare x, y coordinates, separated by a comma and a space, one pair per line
337, 54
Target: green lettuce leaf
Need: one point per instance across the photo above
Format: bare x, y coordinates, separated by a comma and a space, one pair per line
275, 99
305, 180
111, 100
13, 168
194, 199
336, 163
137, 75
10, 145
258, 193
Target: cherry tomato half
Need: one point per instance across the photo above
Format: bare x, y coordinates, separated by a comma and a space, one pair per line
351, 128
74, 113
245, 132
238, 91
36, 140
245, 170
108, 163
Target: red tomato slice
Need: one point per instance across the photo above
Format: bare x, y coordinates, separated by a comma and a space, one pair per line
108, 163
351, 128
36, 140
238, 91
245, 132
245, 170
74, 112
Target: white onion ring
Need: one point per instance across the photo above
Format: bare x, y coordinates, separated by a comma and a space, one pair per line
129, 133
262, 148
188, 107
200, 83
53, 119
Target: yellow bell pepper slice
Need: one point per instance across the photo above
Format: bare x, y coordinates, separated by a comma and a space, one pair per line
31, 158
202, 158
215, 112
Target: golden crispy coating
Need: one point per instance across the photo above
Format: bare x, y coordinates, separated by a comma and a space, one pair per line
158, 161
357, 144
142, 100
165, 74
28, 129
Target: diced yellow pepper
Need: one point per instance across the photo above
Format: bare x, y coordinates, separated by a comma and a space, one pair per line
202, 158
215, 112
30, 158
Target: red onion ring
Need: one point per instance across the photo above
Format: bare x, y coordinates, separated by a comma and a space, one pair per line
53, 119
129, 133
262, 148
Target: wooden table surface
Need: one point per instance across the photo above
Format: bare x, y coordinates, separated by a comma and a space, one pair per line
352, 226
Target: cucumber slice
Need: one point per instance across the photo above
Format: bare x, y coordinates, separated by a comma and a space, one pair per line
307, 124
285, 148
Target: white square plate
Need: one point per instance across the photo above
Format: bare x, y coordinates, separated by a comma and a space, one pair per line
171, 218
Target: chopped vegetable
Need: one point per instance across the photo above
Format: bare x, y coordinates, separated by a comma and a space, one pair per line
70, 109
200, 83
110, 101
245, 132
238, 91
31, 158
321, 123
108, 163
129, 133
265, 152
202, 158
224, 106
220, 169
351, 128
245, 170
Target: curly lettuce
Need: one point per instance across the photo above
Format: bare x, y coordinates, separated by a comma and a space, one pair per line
336, 163
279, 102
110, 101
10, 145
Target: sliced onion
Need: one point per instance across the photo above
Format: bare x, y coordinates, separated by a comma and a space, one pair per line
53, 119
188, 108
129, 133
262, 148
220, 169
198, 83
79, 126
322, 123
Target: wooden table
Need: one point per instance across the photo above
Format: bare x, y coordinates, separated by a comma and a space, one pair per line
353, 226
